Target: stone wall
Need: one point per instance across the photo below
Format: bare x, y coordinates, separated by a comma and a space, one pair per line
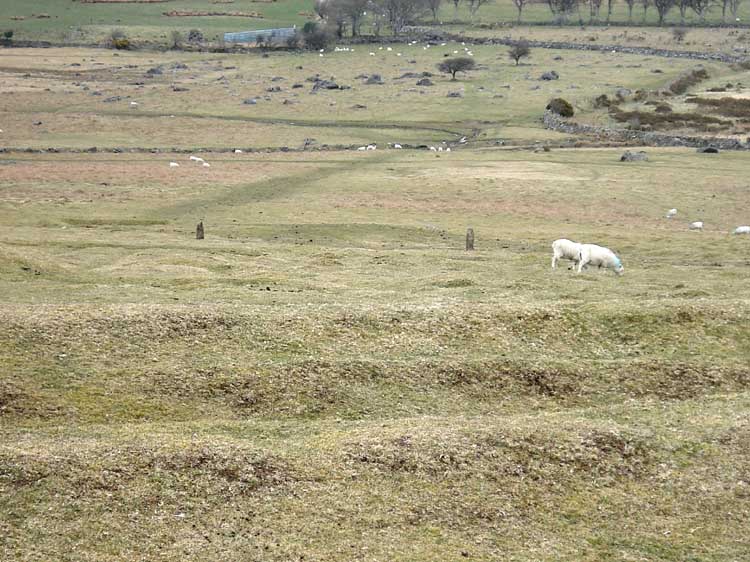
645, 138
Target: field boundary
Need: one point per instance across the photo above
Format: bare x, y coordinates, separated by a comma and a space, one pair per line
646, 138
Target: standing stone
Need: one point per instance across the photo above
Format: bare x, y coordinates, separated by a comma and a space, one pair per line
469, 239
199, 231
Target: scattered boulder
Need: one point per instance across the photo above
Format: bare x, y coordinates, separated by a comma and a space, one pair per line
639, 156
327, 85
550, 75
359, 106
180, 89
277, 78
708, 150
178, 66
156, 71
623, 93
455, 95
250, 101
273, 89
296, 86
375, 79
425, 82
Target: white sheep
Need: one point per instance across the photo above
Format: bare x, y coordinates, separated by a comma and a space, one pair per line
448, 149
134, 105
742, 230
372, 147
697, 225
671, 213
599, 256
397, 146
433, 149
362, 148
565, 249
174, 165
237, 151
206, 165
196, 159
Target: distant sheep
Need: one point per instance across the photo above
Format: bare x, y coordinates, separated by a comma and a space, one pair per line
237, 151
742, 230
671, 213
397, 145
196, 159
599, 256
697, 225
362, 148
174, 165
206, 165
565, 249
372, 147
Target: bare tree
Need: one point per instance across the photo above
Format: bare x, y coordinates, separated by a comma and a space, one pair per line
561, 9
519, 50
594, 7
734, 6
457, 64
455, 8
662, 8
520, 4
683, 6
434, 6
701, 7
354, 10
610, 3
630, 4
474, 6
646, 5
400, 13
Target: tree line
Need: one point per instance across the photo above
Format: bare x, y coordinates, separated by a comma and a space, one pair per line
348, 16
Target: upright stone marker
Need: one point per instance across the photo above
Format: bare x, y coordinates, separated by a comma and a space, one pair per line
199, 231
469, 239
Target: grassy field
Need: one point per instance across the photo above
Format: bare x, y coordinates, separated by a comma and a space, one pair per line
330, 375
78, 98
71, 21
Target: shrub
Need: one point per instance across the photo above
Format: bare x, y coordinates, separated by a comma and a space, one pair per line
315, 36
457, 64
519, 51
679, 34
688, 80
8, 34
294, 41
117, 40
561, 107
195, 36
602, 101
175, 40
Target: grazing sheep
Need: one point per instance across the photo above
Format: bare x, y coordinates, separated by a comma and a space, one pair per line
174, 165
599, 256
671, 213
134, 105
196, 159
372, 147
448, 149
397, 145
206, 165
565, 249
433, 149
697, 225
362, 148
742, 230
237, 151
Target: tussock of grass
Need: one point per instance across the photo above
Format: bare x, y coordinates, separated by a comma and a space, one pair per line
688, 80
728, 107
